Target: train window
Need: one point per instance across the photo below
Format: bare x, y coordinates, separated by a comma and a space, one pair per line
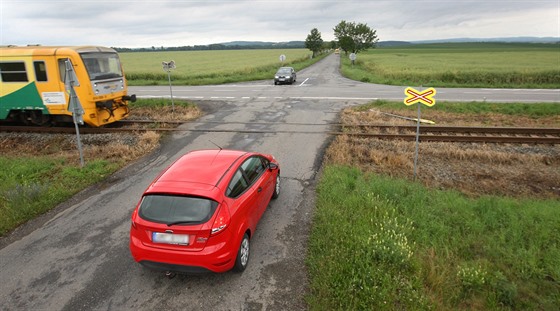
13, 72
40, 71
102, 65
62, 68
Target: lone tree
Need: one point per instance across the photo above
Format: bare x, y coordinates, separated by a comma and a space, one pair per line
314, 42
354, 37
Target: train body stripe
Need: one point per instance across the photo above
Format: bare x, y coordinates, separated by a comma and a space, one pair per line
26, 97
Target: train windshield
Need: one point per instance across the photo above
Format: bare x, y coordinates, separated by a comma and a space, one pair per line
102, 66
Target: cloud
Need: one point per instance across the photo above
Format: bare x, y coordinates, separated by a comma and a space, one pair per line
181, 22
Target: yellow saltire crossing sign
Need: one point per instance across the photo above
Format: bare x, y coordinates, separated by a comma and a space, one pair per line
425, 97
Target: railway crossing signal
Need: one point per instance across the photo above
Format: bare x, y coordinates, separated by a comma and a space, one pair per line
425, 97
167, 67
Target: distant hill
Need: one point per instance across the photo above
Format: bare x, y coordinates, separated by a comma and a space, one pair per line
293, 44
233, 45
301, 44
241, 45
392, 43
505, 39
245, 43
289, 44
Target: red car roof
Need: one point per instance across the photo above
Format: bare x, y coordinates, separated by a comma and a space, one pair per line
196, 173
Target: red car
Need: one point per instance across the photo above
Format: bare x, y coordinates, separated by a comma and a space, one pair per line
200, 213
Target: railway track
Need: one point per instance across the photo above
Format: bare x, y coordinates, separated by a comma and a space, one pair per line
518, 135
460, 133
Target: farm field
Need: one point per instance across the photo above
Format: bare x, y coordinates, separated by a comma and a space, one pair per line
499, 65
210, 67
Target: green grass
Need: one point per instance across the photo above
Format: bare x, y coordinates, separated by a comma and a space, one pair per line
158, 103
459, 65
533, 110
33, 185
384, 244
211, 67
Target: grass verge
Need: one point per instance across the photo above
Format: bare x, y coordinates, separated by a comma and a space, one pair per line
50, 171
380, 243
33, 185
533, 110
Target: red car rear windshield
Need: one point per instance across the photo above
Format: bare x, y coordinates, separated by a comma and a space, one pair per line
176, 210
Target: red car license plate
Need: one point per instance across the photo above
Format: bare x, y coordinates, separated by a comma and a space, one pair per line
169, 238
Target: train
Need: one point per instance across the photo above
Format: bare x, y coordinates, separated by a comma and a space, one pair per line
34, 85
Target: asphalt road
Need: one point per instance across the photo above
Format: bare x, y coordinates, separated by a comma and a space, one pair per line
322, 82
76, 257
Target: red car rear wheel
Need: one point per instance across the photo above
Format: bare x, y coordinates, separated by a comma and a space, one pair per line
242, 255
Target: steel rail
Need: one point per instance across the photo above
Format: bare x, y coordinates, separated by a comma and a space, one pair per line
467, 129
543, 138
423, 128
464, 138
427, 128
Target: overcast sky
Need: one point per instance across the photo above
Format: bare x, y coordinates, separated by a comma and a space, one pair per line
140, 23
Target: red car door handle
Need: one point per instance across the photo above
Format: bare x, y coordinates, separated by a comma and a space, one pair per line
259, 189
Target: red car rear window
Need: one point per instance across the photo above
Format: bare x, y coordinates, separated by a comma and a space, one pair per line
172, 209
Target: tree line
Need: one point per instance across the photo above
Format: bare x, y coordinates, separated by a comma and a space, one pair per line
210, 47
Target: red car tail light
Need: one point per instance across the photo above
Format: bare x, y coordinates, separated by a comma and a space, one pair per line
133, 218
222, 220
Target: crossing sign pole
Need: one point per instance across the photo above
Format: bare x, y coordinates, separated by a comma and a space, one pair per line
417, 141
167, 67
74, 105
419, 97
